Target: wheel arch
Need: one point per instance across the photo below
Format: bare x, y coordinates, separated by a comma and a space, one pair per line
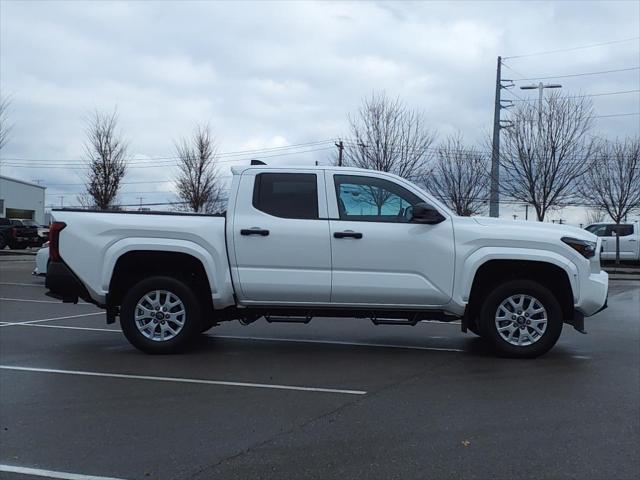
210, 264
135, 265
558, 276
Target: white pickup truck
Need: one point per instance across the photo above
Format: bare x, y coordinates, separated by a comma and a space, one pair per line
297, 243
629, 239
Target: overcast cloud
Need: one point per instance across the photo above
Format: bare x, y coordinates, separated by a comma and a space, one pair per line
269, 74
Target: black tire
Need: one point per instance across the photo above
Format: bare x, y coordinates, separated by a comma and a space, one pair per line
3, 243
192, 318
543, 295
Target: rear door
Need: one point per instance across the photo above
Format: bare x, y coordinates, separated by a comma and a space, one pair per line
281, 249
628, 240
379, 257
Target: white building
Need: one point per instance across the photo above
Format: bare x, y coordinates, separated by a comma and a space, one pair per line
20, 199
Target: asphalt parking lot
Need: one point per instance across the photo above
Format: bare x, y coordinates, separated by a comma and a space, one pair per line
332, 399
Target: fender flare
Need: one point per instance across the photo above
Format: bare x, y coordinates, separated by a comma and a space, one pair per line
116, 250
470, 266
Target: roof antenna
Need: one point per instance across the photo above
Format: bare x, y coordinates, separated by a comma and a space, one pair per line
257, 162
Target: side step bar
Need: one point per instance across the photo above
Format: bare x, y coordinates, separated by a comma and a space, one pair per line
287, 319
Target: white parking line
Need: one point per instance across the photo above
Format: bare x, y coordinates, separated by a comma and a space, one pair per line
36, 301
184, 380
38, 472
89, 329
23, 284
337, 342
50, 319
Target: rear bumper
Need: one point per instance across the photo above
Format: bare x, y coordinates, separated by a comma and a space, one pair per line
64, 285
593, 294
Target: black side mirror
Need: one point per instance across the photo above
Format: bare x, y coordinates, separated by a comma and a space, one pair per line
425, 213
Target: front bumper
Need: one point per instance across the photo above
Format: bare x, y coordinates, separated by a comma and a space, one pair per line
594, 291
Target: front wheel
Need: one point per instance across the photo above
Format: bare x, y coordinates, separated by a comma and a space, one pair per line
160, 315
521, 318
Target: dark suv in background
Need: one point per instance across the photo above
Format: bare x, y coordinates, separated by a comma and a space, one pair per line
15, 234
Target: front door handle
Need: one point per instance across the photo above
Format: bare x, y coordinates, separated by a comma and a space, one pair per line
254, 231
347, 234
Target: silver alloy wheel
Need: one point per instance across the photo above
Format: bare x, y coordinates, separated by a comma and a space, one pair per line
160, 315
521, 320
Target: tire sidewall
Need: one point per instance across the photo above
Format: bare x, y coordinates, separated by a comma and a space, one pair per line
525, 287
183, 339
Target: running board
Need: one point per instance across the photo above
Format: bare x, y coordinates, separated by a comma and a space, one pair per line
396, 321
291, 319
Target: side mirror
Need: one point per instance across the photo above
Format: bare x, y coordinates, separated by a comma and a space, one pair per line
425, 213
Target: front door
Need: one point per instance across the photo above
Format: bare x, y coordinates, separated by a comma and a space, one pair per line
379, 257
281, 245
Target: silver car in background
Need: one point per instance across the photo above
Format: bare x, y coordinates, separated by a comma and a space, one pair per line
42, 258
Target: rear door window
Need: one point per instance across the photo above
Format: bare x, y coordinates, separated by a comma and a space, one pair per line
287, 195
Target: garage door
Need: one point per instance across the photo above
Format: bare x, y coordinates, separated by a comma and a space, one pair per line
19, 213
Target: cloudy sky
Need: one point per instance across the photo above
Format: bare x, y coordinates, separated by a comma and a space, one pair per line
274, 74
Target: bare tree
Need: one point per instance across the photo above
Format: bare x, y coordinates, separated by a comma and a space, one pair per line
545, 152
594, 215
106, 152
390, 137
612, 183
198, 182
459, 177
5, 128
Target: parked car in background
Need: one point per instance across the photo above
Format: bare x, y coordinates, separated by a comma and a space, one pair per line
15, 235
42, 259
629, 235
298, 243
43, 231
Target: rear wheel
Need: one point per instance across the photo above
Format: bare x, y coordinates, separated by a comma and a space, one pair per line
521, 318
160, 315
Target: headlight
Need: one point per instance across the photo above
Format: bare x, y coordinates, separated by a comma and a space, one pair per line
584, 247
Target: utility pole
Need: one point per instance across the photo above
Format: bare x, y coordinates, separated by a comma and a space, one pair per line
340, 146
141, 198
540, 87
61, 201
526, 211
494, 194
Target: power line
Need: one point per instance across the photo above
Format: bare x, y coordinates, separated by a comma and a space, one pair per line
218, 154
571, 49
621, 92
616, 115
582, 74
23, 163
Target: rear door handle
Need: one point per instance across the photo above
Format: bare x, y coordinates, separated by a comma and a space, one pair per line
254, 231
347, 234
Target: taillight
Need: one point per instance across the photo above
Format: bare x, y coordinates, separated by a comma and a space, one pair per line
54, 240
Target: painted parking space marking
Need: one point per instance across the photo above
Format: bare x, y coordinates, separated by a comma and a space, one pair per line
183, 380
38, 472
6, 299
338, 342
66, 327
260, 339
11, 324
23, 284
